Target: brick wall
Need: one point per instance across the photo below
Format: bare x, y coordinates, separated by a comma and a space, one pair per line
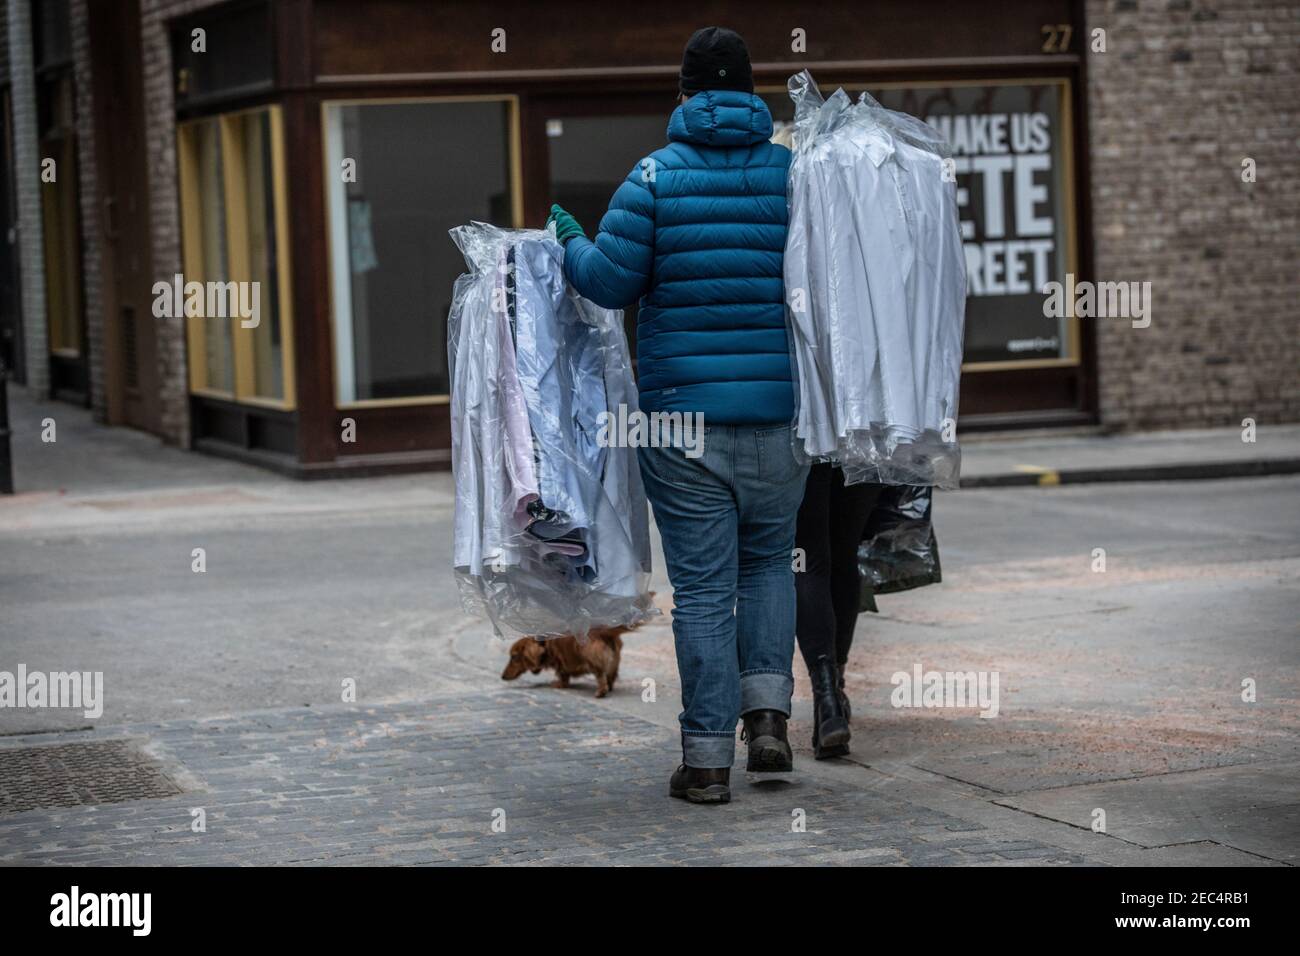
27, 188
4, 44
165, 232
92, 264
4, 78
1186, 90
164, 217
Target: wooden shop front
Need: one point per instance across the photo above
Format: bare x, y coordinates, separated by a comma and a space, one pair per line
325, 147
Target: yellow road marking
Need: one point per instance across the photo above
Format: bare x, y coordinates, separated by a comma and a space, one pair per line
1046, 476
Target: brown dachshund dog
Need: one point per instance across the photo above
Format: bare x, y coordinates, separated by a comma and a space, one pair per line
569, 658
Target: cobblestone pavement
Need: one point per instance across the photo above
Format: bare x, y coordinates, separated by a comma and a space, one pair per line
526, 775
562, 779
1122, 687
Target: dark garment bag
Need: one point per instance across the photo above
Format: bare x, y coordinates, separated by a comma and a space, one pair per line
899, 550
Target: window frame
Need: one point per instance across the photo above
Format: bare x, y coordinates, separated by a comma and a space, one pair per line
235, 204
336, 224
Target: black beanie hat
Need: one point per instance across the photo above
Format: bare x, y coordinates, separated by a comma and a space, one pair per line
716, 59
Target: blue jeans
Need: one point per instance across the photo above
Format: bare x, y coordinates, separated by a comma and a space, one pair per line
727, 521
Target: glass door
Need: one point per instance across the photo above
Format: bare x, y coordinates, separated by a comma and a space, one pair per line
590, 146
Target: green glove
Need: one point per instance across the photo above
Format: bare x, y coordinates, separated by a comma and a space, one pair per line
566, 227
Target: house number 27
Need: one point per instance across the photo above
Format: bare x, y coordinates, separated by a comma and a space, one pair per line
1056, 37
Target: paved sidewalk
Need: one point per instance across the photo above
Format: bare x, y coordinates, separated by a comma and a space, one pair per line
564, 781
531, 776
1035, 459
91, 459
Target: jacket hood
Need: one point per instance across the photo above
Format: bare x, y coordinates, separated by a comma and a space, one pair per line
721, 118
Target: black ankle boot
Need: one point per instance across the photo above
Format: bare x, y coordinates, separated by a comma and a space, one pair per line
830, 723
701, 784
769, 748
844, 698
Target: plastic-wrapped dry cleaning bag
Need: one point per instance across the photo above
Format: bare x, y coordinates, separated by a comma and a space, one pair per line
875, 281
551, 526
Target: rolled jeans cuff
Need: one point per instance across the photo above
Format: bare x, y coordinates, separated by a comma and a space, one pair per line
766, 690
708, 750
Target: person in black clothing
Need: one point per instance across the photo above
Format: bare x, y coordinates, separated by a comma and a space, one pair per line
831, 521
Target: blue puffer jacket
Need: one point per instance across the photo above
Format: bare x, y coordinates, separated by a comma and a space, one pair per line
698, 230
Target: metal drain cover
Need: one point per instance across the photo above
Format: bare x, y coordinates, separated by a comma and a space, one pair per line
79, 774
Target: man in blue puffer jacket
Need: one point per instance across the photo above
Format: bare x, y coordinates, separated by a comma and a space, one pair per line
697, 233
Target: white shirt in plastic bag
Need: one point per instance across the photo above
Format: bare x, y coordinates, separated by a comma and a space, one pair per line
876, 283
551, 530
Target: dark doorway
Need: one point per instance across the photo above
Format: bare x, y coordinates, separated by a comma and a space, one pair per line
56, 122
590, 146
130, 343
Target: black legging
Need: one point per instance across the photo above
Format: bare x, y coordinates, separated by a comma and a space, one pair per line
831, 520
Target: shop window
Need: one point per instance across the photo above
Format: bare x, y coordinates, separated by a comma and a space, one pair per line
1011, 150
207, 262
251, 135
61, 220
399, 175
233, 224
